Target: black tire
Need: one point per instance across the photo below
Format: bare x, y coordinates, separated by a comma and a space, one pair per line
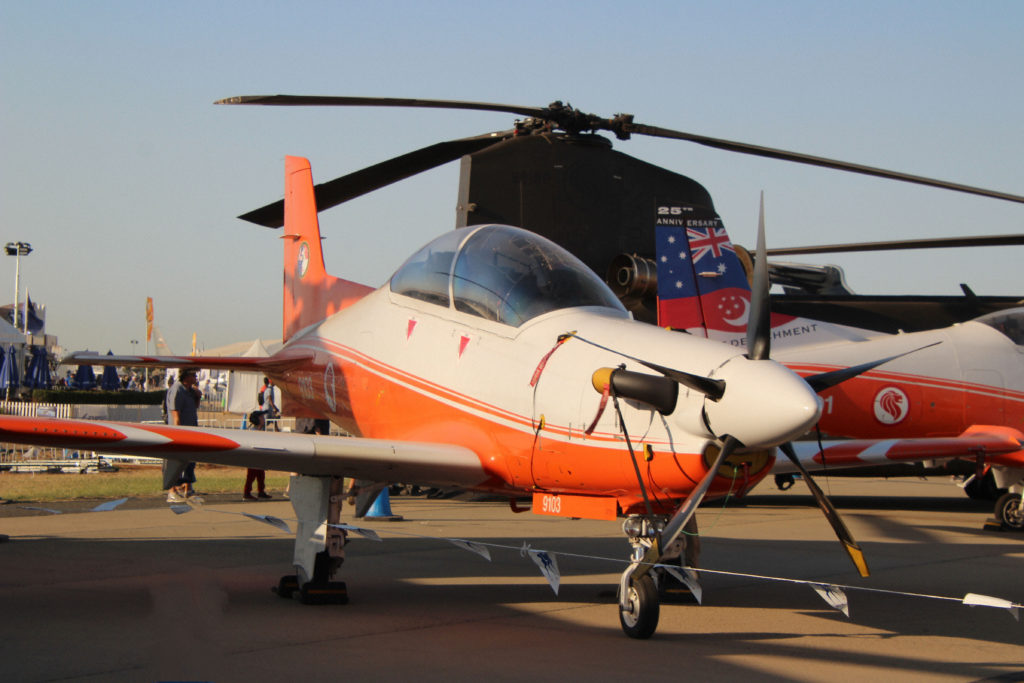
640, 617
1009, 512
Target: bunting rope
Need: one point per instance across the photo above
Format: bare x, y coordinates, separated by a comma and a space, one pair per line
546, 560
832, 593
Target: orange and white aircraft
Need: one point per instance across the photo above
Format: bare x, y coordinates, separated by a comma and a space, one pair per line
959, 380
494, 360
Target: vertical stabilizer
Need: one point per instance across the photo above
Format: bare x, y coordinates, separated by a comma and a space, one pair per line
310, 294
702, 284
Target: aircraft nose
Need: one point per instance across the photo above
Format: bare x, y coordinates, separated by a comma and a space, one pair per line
764, 403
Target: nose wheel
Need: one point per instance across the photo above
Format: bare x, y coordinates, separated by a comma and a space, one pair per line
639, 608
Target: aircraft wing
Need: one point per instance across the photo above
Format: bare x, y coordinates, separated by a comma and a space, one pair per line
432, 464
279, 361
999, 445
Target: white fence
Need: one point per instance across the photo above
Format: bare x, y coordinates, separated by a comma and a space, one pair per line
10, 452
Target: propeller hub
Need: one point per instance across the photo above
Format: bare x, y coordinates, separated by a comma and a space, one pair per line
765, 403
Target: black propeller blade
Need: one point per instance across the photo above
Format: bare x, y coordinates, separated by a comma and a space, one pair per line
827, 380
759, 330
675, 525
844, 535
712, 388
368, 179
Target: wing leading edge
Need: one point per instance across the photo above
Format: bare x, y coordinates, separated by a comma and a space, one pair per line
442, 465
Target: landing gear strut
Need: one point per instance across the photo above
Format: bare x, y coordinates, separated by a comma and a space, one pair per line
639, 606
319, 548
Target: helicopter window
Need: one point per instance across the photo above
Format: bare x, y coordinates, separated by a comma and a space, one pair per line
1009, 322
425, 274
510, 275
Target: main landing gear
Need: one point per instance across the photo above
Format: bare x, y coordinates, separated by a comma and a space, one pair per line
1009, 512
319, 548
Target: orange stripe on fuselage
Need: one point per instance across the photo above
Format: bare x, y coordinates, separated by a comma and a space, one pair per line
375, 400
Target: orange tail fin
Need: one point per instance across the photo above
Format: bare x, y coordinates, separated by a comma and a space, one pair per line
310, 294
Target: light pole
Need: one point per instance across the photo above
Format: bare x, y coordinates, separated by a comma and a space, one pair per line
17, 250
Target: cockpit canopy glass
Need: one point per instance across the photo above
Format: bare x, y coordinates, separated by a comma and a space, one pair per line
501, 273
1010, 322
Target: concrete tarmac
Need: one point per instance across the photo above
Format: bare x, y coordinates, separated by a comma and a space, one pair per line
142, 594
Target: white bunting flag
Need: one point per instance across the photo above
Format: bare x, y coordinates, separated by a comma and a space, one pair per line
32, 507
108, 506
688, 578
275, 522
548, 567
368, 534
834, 596
977, 600
472, 547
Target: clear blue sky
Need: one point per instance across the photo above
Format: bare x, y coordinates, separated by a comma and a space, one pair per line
118, 169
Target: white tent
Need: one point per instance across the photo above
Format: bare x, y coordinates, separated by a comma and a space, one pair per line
243, 387
10, 334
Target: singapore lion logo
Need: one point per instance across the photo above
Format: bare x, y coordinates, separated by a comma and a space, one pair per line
891, 405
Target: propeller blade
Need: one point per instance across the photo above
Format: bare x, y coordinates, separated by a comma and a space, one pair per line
784, 155
674, 527
332, 101
712, 388
827, 380
682, 516
831, 514
897, 245
759, 330
368, 179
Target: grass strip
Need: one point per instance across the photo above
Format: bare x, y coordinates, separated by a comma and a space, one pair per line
128, 482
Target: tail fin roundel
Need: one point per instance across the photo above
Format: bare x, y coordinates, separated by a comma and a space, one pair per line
310, 294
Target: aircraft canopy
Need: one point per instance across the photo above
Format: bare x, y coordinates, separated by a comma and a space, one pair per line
501, 273
1010, 322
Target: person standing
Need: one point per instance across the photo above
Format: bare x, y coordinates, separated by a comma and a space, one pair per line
257, 420
267, 402
182, 404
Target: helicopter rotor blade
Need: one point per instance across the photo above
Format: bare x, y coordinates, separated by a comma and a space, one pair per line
366, 180
797, 157
897, 245
334, 101
575, 121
